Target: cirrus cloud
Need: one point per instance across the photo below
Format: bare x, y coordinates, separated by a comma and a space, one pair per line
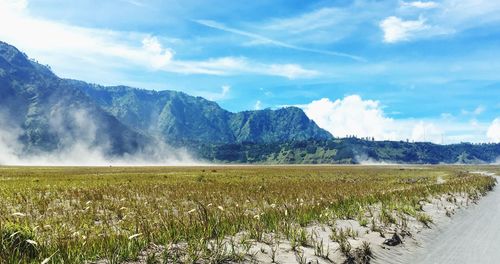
420, 4
69, 49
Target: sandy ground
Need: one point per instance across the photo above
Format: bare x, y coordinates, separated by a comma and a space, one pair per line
470, 236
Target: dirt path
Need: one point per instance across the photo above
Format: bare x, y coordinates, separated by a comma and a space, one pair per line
471, 236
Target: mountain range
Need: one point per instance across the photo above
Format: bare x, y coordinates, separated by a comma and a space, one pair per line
52, 113
43, 113
177, 116
351, 151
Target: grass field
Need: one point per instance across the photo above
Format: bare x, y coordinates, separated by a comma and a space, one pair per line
78, 214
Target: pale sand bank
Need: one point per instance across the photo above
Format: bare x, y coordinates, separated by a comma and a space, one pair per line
464, 230
470, 236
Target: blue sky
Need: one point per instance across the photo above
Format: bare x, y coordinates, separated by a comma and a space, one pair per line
422, 70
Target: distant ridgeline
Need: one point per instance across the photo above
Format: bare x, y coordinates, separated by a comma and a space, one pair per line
350, 151
40, 112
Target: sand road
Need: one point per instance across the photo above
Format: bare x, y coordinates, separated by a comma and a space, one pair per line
471, 236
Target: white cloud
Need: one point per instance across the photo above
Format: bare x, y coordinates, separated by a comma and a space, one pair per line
13, 5
326, 25
332, 23
469, 13
291, 71
69, 49
53, 39
258, 105
216, 96
480, 109
477, 111
420, 4
493, 133
352, 115
396, 29
241, 65
163, 56
423, 131
443, 18
225, 90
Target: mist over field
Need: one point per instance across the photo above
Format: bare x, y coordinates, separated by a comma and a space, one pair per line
366, 160
79, 145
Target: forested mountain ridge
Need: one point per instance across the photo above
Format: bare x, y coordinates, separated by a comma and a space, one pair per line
49, 113
350, 151
177, 116
41, 112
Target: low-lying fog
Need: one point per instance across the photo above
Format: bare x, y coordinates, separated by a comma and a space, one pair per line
80, 148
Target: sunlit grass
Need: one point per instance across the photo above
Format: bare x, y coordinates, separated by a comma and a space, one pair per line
74, 214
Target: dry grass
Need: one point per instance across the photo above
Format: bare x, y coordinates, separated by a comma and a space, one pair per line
76, 214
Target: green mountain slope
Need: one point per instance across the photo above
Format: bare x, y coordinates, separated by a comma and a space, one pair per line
179, 118
280, 125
